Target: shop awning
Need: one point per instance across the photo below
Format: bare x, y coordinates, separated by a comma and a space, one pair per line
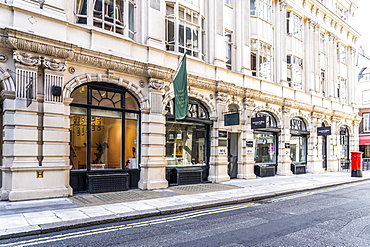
364, 140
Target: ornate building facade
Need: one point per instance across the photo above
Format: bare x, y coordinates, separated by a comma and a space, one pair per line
87, 100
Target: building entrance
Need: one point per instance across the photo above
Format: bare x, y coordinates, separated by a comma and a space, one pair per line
232, 147
104, 143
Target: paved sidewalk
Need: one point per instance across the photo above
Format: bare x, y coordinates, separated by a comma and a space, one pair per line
46, 215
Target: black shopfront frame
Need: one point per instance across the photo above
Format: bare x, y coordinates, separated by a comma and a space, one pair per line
80, 179
173, 174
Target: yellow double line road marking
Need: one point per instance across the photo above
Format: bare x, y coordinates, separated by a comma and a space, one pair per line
166, 219
127, 226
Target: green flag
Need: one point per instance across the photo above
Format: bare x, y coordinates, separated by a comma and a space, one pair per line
180, 85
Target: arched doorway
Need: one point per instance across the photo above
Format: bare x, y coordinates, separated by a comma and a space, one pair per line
266, 144
188, 144
104, 138
298, 145
344, 141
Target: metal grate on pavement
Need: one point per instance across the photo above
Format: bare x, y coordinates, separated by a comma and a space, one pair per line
199, 188
86, 200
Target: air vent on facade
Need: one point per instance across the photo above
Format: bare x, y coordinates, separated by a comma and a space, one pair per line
108, 182
189, 176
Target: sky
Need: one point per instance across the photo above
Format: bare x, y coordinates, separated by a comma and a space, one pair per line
362, 23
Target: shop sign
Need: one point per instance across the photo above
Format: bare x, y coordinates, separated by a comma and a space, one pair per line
39, 174
222, 151
258, 122
222, 143
287, 145
222, 134
324, 131
295, 132
231, 119
249, 144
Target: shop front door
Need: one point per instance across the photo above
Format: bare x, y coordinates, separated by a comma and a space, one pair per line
233, 154
324, 153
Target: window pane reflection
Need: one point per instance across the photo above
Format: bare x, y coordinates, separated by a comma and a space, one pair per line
266, 149
298, 149
78, 123
185, 145
131, 129
106, 131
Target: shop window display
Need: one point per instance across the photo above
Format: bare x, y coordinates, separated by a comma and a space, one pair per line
103, 131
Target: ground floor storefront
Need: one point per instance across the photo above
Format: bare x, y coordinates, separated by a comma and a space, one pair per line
72, 126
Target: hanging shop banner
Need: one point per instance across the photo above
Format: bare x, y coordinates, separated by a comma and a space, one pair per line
231, 119
324, 131
258, 122
180, 85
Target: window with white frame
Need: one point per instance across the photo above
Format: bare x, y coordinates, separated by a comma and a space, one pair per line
294, 72
322, 88
195, 2
261, 60
366, 122
294, 25
261, 9
342, 89
366, 97
322, 42
228, 40
341, 12
184, 30
341, 53
116, 16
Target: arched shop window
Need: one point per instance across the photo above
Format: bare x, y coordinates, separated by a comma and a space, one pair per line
104, 128
266, 148
298, 140
270, 120
187, 141
298, 145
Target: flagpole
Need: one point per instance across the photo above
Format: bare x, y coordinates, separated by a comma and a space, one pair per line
177, 70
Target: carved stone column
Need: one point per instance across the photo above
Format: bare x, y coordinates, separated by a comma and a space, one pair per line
218, 160
335, 147
314, 157
54, 124
153, 163
284, 161
25, 174
246, 168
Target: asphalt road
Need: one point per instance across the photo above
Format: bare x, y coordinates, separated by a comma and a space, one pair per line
334, 216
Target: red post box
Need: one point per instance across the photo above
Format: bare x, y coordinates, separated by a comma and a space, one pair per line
356, 164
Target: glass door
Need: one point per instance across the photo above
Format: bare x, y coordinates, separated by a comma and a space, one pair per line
105, 140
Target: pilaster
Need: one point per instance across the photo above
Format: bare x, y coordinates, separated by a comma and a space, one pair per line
246, 168
284, 161
153, 163
314, 157
218, 161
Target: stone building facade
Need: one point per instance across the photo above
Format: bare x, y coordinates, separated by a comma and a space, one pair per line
87, 99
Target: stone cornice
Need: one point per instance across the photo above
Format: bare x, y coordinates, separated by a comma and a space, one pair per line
56, 53
36, 44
